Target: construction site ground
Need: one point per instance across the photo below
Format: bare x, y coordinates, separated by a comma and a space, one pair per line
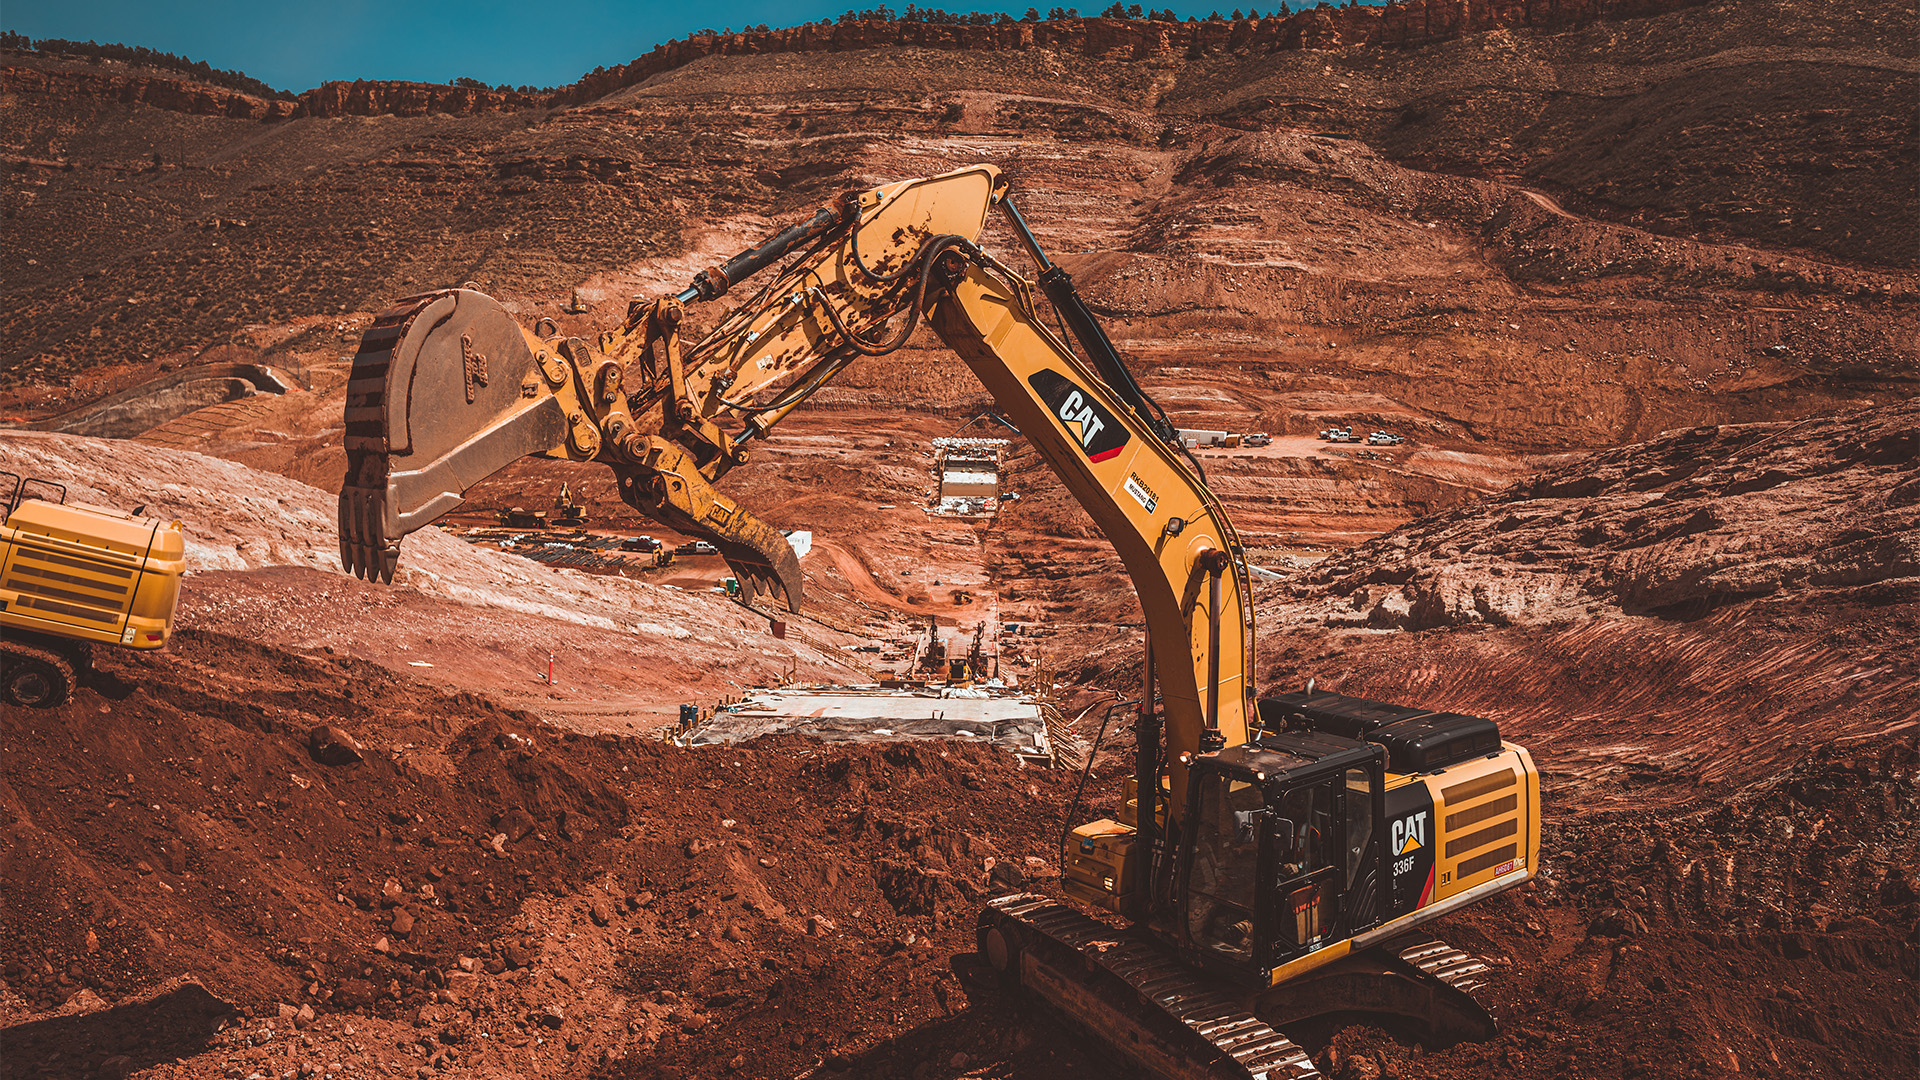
1727, 797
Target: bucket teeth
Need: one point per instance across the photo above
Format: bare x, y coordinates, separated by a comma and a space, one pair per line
366, 551
759, 571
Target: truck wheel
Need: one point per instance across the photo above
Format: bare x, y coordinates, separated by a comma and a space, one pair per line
34, 678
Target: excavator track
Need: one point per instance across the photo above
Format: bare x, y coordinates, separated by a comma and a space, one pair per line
1439, 960
1144, 1002
1175, 1020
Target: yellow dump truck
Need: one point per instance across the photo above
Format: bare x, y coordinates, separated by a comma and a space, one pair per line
72, 576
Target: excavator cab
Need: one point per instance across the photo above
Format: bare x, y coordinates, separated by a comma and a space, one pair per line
1283, 859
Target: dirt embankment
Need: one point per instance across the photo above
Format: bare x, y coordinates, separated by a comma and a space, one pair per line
1766, 934
484, 893
264, 565
446, 882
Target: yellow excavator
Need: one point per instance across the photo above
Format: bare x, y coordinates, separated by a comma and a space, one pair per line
1276, 856
73, 576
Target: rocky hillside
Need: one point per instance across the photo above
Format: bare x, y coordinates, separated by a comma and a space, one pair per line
1686, 615
1676, 527
149, 217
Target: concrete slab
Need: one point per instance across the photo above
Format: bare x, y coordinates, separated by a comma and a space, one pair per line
1005, 718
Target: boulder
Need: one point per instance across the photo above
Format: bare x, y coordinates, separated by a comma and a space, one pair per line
329, 745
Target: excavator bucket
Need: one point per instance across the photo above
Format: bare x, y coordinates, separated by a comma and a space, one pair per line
444, 392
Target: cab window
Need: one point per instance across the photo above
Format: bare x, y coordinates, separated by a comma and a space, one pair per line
1220, 885
1359, 820
1310, 809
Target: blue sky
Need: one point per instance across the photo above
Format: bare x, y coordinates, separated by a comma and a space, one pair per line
297, 46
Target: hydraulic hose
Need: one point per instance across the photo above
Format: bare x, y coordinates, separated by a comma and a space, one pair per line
928, 253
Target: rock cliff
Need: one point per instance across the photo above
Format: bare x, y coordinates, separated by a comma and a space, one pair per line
118, 83
364, 97
1395, 25
1400, 24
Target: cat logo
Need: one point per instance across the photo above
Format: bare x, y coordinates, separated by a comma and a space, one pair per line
1099, 433
473, 365
1410, 833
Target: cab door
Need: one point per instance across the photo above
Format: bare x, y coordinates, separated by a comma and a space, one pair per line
1225, 866
1307, 839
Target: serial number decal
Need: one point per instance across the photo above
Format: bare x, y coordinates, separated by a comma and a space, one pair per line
1141, 493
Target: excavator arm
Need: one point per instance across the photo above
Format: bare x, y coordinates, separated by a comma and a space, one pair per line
448, 387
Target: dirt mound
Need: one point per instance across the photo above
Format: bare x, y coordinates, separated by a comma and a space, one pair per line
264, 564
474, 889
534, 899
1767, 934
